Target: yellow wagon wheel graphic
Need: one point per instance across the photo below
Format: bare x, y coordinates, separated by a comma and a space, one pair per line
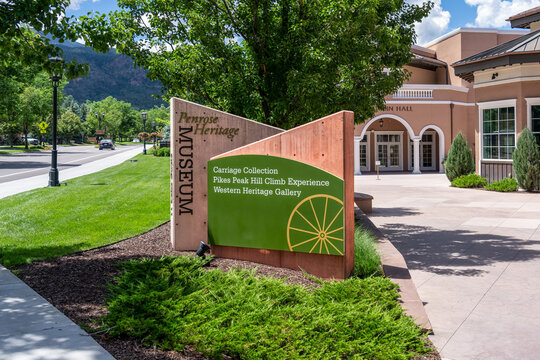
316, 226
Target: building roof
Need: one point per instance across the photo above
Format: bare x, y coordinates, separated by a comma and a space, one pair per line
420, 50
425, 62
474, 30
525, 18
525, 49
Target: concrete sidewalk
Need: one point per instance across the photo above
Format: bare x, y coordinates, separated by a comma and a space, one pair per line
30, 327
33, 329
35, 182
474, 256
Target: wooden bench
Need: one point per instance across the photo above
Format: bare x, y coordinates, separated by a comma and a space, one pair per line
364, 202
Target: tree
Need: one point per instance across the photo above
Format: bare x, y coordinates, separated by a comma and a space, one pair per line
526, 159
459, 160
120, 118
12, 83
161, 115
69, 126
20, 22
282, 62
34, 107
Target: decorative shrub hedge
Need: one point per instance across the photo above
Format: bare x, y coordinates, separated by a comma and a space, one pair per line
469, 181
504, 185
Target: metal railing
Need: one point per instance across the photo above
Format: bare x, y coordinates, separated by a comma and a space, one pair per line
413, 94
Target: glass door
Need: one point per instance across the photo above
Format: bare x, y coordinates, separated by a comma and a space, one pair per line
389, 151
364, 153
427, 152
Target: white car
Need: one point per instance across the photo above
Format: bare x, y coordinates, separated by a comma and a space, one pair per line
32, 141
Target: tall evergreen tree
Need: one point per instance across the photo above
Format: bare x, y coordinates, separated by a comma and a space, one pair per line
526, 158
460, 160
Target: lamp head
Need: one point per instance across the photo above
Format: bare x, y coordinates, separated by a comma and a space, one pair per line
56, 69
143, 115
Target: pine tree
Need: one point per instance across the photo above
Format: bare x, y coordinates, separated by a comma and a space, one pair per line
460, 160
526, 158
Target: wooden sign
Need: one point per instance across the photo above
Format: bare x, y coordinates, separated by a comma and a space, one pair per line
198, 133
327, 146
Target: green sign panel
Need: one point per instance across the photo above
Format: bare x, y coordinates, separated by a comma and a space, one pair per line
268, 202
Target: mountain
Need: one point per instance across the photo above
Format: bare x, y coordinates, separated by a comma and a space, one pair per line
110, 74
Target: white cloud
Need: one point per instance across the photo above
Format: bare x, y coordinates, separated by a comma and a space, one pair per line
434, 25
493, 13
75, 4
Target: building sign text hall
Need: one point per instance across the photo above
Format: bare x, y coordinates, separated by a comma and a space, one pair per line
398, 108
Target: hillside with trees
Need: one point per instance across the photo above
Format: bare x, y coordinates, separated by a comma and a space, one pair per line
110, 74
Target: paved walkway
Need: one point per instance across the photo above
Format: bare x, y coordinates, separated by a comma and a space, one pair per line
474, 256
33, 329
30, 327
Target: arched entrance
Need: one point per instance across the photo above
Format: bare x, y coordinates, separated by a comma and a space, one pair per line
432, 129
383, 141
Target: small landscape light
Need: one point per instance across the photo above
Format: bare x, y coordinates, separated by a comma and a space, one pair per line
202, 249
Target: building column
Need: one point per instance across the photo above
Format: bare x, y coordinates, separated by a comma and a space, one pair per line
441, 166
357, 157
416, 144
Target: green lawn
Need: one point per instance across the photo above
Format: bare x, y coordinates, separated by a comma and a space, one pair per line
90, 211
18, 148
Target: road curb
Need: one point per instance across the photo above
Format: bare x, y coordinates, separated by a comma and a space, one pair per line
395, 268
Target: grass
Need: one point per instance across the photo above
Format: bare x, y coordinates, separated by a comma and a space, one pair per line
91, 211
172, 302
367, 261
18, 148
130, 143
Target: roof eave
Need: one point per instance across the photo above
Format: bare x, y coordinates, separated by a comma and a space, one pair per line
466, 70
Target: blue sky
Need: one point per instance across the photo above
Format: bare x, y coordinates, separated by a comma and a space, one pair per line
446, 15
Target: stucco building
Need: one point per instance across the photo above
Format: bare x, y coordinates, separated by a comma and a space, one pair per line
482, 82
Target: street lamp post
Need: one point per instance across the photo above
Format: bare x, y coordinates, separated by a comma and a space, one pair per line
143, 115
154, 131
56, 76
99, 124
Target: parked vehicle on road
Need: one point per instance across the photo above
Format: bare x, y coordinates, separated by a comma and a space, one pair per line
106, 144
32, 141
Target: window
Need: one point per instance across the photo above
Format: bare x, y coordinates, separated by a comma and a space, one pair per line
499, 125
363, 152
535, 122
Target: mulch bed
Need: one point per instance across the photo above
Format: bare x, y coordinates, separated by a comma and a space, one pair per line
76, 285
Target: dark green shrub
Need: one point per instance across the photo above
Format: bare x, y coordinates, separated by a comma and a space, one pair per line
503, 185
469, 181
172, 302
164, 151
527, 161
460, 160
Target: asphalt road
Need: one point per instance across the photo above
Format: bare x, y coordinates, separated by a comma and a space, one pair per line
23, 165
